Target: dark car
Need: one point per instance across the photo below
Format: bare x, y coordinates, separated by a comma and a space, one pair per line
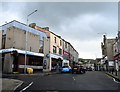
78, 69
88, 68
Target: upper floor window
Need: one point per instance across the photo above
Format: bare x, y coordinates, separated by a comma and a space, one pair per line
60, 43
54, 49
65, 44
60, 51
55, 39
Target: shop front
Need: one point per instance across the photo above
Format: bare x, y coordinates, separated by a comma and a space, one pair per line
66, 57
117, 61
56, 62
34, 62
65, 62
14, 60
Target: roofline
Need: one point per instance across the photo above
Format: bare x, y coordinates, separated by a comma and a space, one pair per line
15, 21
20, 23
56, 35
41, 31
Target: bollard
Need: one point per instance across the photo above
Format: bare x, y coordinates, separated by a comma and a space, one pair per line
116, 73
29, 70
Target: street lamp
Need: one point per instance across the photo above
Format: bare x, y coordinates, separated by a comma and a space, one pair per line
27, 40
30, 14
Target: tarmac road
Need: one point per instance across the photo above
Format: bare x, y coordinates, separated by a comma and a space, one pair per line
92, 80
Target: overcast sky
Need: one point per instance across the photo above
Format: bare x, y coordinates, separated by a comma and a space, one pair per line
80, 23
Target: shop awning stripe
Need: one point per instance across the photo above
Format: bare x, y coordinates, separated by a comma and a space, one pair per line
21, 51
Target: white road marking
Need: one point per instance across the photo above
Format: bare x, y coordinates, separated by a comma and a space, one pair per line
26, 87
18, 85
73, 78
115, 80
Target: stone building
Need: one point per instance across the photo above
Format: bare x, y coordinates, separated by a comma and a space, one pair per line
19, 40
107, 52
60, 51
31, 46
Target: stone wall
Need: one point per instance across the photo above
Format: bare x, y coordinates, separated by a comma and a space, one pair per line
8, 61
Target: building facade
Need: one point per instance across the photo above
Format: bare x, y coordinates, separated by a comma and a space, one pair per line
61, 53
107, 52
116, 52
0, 49
66, 53
14, 47
54, 50
34, 47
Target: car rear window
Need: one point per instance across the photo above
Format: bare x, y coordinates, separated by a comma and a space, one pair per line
65, 67
76, 66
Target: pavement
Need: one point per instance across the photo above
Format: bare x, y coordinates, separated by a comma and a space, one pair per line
10, 82
117, 78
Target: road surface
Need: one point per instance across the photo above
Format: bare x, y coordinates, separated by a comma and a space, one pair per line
92, 80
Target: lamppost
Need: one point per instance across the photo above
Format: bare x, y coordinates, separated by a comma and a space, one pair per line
26, 41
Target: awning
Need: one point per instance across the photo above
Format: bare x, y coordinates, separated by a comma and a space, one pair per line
65, 61
56, 56
21, 52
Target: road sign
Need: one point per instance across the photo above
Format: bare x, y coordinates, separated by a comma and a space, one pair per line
44, 62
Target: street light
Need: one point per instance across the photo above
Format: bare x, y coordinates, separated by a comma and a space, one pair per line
30, 14
27, 40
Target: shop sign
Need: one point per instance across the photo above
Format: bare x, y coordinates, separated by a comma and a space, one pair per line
44, 62
29, 53
31, 66
110, 63
115, 57
48, 55
67, 54
5, 50
56, 56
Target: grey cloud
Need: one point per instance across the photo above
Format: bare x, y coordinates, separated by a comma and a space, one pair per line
54, 13
76, 21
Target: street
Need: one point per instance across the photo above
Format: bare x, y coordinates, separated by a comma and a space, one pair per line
92, 80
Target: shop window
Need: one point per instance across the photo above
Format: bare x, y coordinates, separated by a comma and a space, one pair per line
36, 61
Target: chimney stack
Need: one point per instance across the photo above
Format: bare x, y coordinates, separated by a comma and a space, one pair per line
46, 28
32, 25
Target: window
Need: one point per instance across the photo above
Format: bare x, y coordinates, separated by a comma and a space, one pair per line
55, 39
30, 48
65, 44
60, 42
54, 49
36, 61
41, 46
3, 41
60, 51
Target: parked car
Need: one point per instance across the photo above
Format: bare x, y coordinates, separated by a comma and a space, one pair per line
78, 69
89, 68
65, 69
